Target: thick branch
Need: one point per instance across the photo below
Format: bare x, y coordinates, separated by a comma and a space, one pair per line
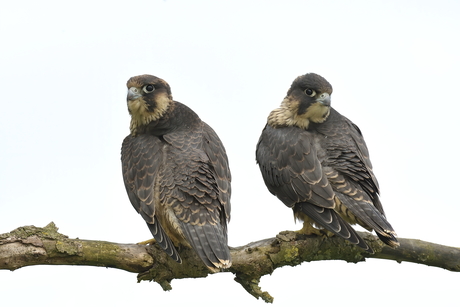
32, 245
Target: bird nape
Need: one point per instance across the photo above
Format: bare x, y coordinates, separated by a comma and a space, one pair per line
176, 173
316, 162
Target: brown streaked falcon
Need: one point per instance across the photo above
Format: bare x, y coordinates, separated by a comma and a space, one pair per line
176, 173
316, 162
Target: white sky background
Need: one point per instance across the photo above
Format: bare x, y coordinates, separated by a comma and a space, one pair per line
63, 67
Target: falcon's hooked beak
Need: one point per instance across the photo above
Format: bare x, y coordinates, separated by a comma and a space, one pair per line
324, 99
134, 93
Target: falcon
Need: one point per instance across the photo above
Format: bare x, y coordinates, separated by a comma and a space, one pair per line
176, 173
316, 162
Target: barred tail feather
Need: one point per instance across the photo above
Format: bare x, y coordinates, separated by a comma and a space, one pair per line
210, 244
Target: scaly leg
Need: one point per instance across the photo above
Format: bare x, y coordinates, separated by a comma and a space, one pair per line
146, 242
308, 229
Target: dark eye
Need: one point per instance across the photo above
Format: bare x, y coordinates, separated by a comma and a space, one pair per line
310, 92
148, 88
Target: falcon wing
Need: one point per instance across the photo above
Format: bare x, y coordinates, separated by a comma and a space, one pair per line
291, 171
370, 184
215, 151
351, 176
290, 168
140, 156
193, 185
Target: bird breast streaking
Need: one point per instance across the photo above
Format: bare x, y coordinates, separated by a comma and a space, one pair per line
316, 162
176, 173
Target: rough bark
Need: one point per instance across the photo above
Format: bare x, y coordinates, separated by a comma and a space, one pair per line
30, 245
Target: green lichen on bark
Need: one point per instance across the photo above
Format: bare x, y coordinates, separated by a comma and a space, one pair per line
50, 231
30, 245
71, 248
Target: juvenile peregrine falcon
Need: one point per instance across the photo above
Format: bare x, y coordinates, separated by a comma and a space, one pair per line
316, 162
176, 173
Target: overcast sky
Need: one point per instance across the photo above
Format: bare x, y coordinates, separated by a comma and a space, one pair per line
394, 67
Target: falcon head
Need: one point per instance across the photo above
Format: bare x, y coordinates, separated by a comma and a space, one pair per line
149, 98
308, 100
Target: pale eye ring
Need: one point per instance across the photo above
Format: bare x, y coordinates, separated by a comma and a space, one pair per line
148, 88
310, 92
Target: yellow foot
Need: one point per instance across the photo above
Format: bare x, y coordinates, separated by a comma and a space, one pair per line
309, 230
150, 241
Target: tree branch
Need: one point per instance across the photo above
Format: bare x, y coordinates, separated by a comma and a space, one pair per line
30, 245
